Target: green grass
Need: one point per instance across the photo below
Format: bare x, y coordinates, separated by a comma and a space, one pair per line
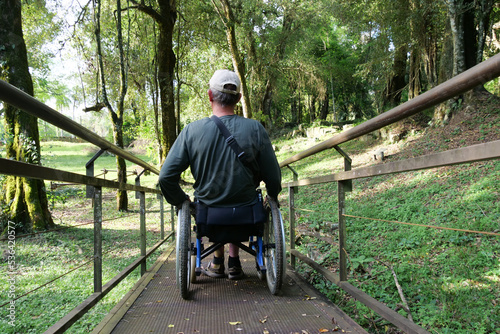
46, 256
72, 157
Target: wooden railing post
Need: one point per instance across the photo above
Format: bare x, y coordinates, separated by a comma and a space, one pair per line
89, 168
97, 193
142, 208
172, 217
162, 218
291, 205
342, 231
291, 214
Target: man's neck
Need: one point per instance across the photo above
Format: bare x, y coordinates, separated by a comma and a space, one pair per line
220, 111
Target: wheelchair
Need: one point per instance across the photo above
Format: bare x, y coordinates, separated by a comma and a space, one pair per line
266, 244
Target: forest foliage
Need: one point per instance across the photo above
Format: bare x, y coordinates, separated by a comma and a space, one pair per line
301, 61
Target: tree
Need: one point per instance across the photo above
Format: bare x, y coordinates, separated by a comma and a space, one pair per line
165, 18
272, 74
116, 116
223, 8
26, 198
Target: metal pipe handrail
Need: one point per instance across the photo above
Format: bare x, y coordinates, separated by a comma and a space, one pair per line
21, 100
459, 84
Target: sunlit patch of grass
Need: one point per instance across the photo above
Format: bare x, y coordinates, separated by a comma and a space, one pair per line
72, 157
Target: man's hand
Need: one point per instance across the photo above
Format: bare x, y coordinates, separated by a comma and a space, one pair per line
179, 206
267, 198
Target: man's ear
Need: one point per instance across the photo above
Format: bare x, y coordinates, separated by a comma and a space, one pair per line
210, 95
239, 98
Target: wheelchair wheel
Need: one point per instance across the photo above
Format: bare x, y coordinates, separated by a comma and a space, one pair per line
183, 253
274, 248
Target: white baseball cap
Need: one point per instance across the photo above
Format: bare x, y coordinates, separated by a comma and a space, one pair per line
225, 77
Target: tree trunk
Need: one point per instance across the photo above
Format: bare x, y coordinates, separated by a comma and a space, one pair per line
396, 83
324, 108
483, 26
455, 13
461, 14
414, 85
116, 117
294, 110
227, 17
26, 198
165, 18
312, 108
470, 34
279, 54
266, 103
121, 166
431, 63
166, 66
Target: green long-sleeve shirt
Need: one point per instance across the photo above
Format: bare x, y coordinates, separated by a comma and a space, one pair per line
221, 179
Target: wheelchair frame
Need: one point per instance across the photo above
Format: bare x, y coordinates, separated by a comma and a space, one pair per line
269, 250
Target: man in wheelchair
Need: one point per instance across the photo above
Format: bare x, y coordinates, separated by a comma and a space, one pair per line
229, 156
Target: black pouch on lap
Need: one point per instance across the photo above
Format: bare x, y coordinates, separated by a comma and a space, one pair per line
230, 224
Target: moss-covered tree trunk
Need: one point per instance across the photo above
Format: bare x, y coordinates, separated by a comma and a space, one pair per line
26, 198
166, 66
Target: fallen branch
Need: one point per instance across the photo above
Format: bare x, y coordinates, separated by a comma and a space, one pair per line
315, 235
400, 290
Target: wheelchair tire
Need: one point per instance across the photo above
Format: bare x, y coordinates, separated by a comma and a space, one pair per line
183, 254
274, 248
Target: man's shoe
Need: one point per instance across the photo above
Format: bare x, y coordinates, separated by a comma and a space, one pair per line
215, 270
236, 273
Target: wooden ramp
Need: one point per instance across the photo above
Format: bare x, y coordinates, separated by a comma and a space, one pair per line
219, 306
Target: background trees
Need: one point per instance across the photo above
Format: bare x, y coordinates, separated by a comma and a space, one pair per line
299, 61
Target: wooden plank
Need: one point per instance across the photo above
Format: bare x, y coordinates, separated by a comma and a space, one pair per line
342, 231
479, 152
